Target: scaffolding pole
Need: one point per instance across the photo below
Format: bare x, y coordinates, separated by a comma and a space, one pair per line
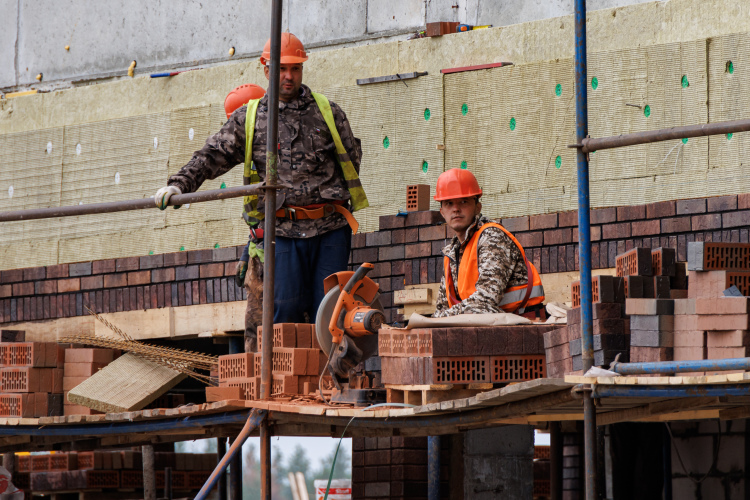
269, 270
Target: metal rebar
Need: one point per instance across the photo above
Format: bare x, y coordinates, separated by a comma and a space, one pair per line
269, 269
670, 367
584, 244
665, 134
126, 205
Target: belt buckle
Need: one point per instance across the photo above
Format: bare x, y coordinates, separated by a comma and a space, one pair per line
328, 209
291, 213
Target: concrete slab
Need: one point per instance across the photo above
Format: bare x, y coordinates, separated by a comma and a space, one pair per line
8, 36
384, 15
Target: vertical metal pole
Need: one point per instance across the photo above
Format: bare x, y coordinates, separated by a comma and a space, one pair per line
221, 450
168, 483
433, 467
555, 461
667, 463
235, 477
149, 474
269, 270
584, 244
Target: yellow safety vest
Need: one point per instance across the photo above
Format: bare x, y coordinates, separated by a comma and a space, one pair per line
358, 197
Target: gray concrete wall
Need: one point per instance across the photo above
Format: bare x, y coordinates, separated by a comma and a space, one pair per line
104, 37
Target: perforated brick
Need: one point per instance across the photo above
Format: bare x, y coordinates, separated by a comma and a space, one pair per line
32, 354
285, 384
101, 479
518, 368
23, 463
741, 280
250, 386
289, 361
17, 405
236, 366
26, 379
197, 478
63, 461
284, 335
39, 463
384, 343
575, 293
417, 197
707, 256
634, 262
179, 480
461, 370
131, 479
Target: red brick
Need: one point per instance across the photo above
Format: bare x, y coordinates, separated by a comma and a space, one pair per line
103, 266
5, 291
616, 231
558, 236
567, 219
214, 394
722, 322
162, 275
425, 218
92, 282
115, 280
397, 252
514, 224
378, 238
726, 352
200, 256
417, 250
69, 285
603, 215
735, 219
136, 278
11, 276
34, 273
433, 233
649, 306
532, 239
660, 209
722, 203
689, 353
650, 354
722, 305
743, 201
26, 379
89, 355
212, 270
545, 221
704, 222
632, 212
728, 338
461, 370
21, 289
82, 369
175, 259
675, 225
391, 222
646, 227
57, 271
694, 206
127, 264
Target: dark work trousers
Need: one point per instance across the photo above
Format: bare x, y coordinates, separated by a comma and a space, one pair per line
301, 266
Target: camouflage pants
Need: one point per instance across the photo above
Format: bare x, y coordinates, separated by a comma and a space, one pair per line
254, 311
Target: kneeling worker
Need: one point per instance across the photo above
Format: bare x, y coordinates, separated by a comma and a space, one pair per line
486, 270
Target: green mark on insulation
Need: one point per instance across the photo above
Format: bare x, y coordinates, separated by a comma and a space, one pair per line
558, 162
730, 67
647, 111
151, 252
558, 89
729, 136
594, 83
427, 113
512, 123
464, 109
684, 140
182, 249
386, 142
424, 166
223, 185
464, 165
216, 245
685, 83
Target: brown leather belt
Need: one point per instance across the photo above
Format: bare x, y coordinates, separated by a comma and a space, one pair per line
318, 211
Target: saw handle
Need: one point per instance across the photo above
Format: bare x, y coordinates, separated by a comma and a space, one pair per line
358, 275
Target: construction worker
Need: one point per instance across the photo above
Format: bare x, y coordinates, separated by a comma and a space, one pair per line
318, 165
485, 267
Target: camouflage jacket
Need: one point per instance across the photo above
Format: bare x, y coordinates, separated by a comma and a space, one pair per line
307, 160
500, 265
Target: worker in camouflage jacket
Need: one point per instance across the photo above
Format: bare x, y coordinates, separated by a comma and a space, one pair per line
485, 267
314, 224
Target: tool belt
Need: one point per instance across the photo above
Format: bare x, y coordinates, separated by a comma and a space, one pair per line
318, 211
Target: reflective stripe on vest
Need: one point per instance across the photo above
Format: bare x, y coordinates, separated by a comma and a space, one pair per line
514, 297
358, 197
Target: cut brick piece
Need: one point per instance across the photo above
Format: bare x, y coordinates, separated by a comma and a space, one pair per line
723, 305
285, 384
706, 256
634, 262
250, 387
684, 306
723, 322
607, 289
214, 394
12, 335
664, 323
663, 261
649, 306
679, 280
236, 366
305, 334
555, 337
82, 369
89, 355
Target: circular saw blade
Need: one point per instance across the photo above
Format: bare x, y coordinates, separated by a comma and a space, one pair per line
367, 344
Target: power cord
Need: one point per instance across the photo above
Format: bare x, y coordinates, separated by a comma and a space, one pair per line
679, 456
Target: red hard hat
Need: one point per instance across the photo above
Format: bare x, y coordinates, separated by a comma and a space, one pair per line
241, 96
456, 183
292, 50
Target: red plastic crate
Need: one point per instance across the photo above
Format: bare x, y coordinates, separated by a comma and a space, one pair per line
236, 366
40, 463
461, 370
518, 368
63, 461
23, 463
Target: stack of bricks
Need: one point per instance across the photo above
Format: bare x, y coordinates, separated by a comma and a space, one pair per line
463, 355
297, 364
80, 364
542, 472
31, 378
109, 470
392, 467
611, 329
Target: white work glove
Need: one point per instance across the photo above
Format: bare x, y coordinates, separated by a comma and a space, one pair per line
161, 198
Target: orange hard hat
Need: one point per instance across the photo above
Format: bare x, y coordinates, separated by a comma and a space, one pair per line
242, 95
456, 183
292, 50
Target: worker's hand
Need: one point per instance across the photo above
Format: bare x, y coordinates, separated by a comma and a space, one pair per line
161, 198
239, 275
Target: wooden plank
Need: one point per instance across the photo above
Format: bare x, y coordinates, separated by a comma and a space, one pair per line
412, 296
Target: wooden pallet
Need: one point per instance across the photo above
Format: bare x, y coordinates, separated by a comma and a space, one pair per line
419, 395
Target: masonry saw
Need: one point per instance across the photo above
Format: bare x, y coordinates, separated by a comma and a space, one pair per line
347, 324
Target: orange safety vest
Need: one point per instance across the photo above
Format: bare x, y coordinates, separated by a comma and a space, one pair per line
515, 298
